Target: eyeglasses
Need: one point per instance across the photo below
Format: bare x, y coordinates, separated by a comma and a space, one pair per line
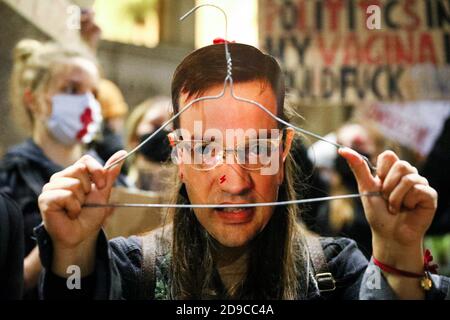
253, 154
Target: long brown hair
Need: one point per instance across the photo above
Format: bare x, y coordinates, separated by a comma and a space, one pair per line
277, 262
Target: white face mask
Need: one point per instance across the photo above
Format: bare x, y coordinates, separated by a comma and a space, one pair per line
74, 118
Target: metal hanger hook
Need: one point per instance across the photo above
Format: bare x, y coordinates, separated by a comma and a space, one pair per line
227, 52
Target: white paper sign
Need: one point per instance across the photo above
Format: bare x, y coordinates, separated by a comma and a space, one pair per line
416, 125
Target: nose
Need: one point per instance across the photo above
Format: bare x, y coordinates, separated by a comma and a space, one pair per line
234, 180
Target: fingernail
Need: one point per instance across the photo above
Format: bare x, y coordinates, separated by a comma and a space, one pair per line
392, 209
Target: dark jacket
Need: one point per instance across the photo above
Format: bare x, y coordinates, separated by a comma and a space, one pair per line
119, 273
437, 170
11, 250
24, 170
358, 229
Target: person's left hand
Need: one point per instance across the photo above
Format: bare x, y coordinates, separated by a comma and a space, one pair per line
401, 216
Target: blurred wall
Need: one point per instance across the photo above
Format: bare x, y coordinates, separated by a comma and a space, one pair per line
14, 27
140, 72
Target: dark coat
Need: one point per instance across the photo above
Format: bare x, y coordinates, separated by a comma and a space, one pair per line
11, 250
119, 273
24, 170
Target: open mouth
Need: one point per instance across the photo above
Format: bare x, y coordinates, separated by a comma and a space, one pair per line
236, 215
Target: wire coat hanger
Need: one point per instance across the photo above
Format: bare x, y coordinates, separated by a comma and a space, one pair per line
229, 80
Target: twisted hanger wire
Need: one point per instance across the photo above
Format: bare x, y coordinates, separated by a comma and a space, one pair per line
229, 79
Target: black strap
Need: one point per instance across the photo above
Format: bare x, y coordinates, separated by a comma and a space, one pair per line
32, 178
154, 244
324, 278
148, 281
31, 175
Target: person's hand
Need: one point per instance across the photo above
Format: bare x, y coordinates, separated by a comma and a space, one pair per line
400, 218
61, 201
89, 30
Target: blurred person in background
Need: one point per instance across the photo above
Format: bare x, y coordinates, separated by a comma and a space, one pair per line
56, 88
112, 102
150, 168
437, 170
309, 184
151, 171
345, 217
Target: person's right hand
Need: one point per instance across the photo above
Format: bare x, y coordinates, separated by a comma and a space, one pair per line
61, 201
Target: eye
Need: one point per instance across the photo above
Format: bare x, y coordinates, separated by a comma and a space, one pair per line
71, 87
206, 148
259, 148
184, 146
199, 148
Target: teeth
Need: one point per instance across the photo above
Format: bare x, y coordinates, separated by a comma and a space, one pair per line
232, 209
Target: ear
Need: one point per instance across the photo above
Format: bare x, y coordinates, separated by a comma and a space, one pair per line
290, 133
181, 172
29, 100
180, 165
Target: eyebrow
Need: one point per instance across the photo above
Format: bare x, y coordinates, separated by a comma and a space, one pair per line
203, 138
71, 82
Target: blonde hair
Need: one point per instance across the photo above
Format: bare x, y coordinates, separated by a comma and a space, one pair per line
33, 63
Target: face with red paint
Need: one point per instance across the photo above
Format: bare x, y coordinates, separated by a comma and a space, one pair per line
230, 183
60, 108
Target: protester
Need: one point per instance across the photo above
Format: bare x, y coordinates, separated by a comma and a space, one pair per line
55, 86
150, 173
439, 176
150, 169
243, 253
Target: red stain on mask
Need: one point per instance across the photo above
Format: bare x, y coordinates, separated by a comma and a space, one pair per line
86, 119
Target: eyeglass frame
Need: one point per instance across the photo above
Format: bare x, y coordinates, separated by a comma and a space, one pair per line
174, 142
